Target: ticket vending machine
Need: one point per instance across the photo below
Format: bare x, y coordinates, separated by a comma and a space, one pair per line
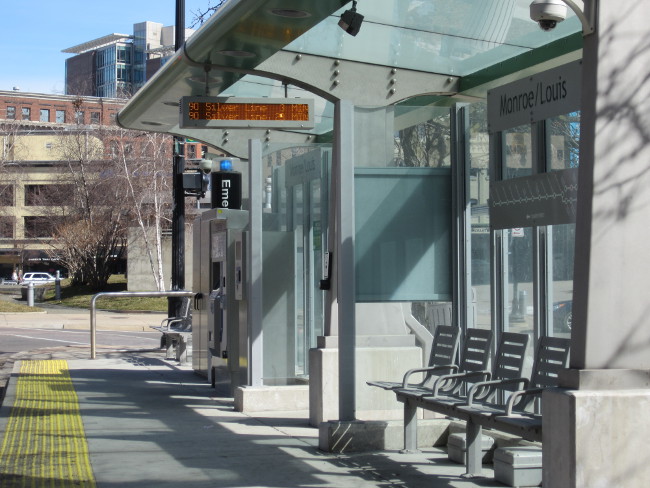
220, 311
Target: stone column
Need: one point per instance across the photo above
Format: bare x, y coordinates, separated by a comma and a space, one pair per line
596, 426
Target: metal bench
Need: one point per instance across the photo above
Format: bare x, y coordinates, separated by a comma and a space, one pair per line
515, 417
474, 359
508, 364
441, 359
177, 332
482, 409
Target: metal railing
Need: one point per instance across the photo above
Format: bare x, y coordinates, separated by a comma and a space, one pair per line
93, 310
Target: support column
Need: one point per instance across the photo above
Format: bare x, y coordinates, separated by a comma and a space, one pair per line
254, 250
344, 153
596, 425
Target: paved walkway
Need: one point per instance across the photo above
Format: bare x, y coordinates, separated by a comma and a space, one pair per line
150, 422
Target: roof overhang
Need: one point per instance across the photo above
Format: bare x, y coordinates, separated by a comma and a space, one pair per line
294, 48
97, 43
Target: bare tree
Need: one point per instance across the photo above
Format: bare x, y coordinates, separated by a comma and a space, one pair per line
424, 144
143, 159
88, 214
200, 16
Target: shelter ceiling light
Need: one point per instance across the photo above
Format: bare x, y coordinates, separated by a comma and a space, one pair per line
290, 13
351, 20
237, 53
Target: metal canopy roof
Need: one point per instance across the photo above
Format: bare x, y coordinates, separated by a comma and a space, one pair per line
271, 48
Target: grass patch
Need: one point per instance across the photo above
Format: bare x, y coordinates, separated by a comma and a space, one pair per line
13, 307
80, 296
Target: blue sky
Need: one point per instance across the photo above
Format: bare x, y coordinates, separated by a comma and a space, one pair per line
34, 32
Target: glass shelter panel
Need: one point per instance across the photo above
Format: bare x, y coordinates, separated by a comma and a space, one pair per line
294, 226
518, 279
403, 234
563, 141
479, 192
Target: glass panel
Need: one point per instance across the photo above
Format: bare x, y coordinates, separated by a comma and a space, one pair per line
479, 188
294, 222
299, 266
561, 279
403, 234
317, 216
518, 280
518, 152
422, 137
563, 134
439, 36
45, 115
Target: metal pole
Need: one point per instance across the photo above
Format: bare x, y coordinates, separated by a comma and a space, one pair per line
178, 197
30, 294
344, 125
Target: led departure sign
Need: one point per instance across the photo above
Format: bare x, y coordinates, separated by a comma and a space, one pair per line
219, 112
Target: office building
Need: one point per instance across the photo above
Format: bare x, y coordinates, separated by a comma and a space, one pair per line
117, 65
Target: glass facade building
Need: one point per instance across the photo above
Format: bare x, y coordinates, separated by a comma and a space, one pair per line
115, 66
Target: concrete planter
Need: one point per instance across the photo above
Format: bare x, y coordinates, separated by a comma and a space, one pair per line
39, 293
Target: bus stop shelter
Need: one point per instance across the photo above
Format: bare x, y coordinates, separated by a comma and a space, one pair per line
439, 54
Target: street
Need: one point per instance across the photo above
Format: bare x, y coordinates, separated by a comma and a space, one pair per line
19, 339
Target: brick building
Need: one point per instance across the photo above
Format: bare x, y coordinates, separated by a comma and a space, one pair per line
33, 128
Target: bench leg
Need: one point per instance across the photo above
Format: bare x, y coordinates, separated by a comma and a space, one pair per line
169, 343
474, 453
181, 351
410, 428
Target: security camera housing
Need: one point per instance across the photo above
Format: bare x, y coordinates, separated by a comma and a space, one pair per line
351, 22
547, 13
205, 165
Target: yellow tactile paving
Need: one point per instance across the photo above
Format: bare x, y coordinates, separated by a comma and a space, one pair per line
44, 444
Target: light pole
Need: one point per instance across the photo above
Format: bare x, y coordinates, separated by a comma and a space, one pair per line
178, 196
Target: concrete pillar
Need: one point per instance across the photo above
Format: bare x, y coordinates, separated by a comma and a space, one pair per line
596, 425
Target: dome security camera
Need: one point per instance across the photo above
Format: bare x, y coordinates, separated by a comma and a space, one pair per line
547, 13
205, 165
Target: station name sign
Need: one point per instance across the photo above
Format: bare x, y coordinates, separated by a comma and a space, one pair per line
541, 96
261, 113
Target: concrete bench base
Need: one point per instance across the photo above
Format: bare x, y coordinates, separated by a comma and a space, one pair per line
518, 466
457, 448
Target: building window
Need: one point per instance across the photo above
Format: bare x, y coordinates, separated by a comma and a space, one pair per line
60, 116
7, 195
6, 227
47, 195
45, 115
38, 227
27, 113
11, 113
94, 117
191, 151
79, 117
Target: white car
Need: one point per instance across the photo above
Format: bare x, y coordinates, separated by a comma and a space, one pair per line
38, 278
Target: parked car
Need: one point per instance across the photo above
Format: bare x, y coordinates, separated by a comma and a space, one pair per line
37, 278
563, 315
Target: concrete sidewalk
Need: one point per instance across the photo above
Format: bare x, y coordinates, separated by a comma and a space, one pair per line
152, 423
71, 318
